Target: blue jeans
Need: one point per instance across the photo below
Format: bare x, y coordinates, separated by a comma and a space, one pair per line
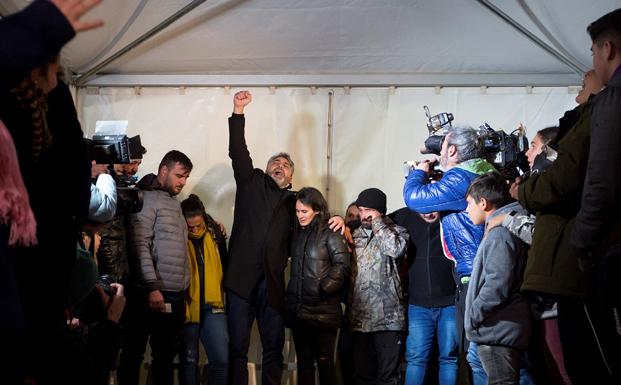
424, 324
502, 364
479, 377
213, 334
241, 313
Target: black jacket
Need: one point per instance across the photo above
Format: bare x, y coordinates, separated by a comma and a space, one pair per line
319, 267
430, 273
112, 253
262, 225
58, 185
598, 224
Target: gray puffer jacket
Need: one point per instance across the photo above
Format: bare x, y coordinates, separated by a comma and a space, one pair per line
158, 239
496, 313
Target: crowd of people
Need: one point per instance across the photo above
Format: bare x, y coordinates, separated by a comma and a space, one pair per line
477, 279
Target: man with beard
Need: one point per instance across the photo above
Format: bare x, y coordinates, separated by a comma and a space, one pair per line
460, 158
158, 242
376, 312
258, 252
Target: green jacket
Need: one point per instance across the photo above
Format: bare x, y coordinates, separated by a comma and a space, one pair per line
555, 196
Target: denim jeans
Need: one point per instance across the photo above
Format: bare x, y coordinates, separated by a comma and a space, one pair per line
214, 335
479, 376
425, 324
241, 315
502, 364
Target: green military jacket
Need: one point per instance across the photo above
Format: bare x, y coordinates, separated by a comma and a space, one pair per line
554, 196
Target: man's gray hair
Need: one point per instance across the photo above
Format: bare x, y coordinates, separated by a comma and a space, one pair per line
467, 142
282, 155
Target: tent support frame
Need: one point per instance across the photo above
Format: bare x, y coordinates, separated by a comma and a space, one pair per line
532, 37
80, 79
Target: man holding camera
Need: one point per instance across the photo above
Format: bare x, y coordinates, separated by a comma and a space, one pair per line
460, 159
112, 258
158, 241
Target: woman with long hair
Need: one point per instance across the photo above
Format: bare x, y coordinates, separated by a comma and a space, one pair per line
205, 315
320, 264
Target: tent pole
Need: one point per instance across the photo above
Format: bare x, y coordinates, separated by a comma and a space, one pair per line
80, 79
329, 146
571, 64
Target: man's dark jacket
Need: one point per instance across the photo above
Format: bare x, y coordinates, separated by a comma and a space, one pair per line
262, 225
598, 224
554, 196
431, 280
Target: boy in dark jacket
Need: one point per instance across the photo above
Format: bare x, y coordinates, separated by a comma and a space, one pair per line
497, 317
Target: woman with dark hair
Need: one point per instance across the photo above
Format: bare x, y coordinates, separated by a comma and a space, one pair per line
320, 264
541, 144
205, 316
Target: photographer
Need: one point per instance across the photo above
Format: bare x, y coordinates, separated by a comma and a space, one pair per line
103, 194
460, 158
92, 337
112, 258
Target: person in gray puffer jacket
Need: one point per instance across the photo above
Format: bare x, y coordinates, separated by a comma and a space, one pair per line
156, 299
376, 309
497, 316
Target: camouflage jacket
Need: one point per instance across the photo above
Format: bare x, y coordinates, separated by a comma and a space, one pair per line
520, 225
376, 300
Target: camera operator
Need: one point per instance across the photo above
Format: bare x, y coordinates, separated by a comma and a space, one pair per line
103, 201
461, 160
112, 255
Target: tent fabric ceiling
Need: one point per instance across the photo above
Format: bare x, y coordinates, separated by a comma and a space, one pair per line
413, 42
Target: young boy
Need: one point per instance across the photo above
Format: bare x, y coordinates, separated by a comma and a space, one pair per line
497, 316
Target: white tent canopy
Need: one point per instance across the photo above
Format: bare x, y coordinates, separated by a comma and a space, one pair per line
342, 42
381, 61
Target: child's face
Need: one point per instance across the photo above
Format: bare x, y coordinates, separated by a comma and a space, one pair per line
476, 210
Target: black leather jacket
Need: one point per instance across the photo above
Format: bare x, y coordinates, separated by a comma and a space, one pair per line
112, 253
320, 264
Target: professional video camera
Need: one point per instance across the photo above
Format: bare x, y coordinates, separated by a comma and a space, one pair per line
505, 151
119, 149
115, 149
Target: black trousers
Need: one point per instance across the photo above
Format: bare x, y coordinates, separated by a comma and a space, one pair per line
315, 345
376, 357
590, 330
164, 331
241, 314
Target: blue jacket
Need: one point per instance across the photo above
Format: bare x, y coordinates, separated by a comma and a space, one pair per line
460, 237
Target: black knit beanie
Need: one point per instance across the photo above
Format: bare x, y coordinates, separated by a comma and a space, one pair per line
372, 198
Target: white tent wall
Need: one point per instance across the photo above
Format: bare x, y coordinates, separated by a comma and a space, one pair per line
375, 130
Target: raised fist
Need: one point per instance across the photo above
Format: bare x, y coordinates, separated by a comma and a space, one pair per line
241, 100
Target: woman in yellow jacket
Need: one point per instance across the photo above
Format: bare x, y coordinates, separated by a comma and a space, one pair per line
205, 315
